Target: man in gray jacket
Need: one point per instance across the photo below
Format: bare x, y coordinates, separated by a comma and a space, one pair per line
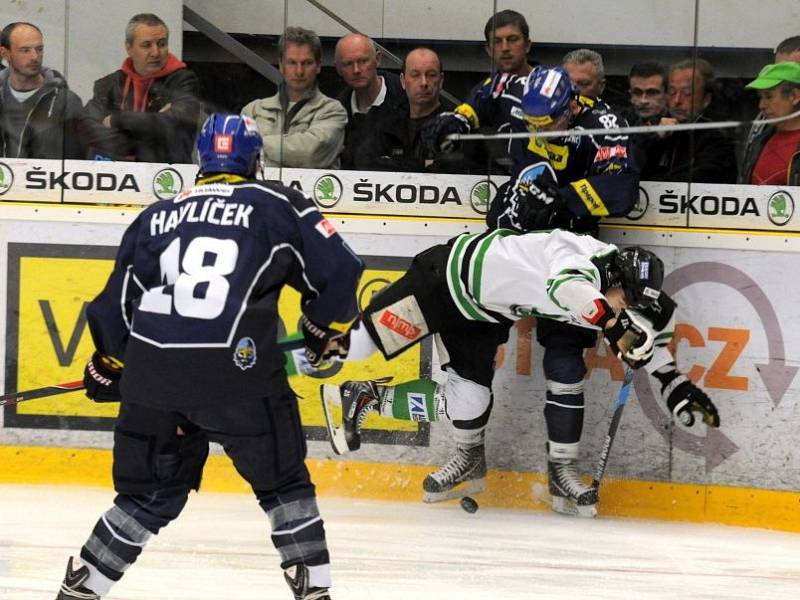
300, 126
39, 115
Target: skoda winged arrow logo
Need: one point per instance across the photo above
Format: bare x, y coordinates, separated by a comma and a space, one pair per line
327, 191
481, 194
640, 208
780, 208
6, 178
167, 184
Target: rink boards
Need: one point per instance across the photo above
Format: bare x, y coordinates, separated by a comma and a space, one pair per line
737, 337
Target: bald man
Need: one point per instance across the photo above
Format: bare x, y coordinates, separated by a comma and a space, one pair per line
371, 96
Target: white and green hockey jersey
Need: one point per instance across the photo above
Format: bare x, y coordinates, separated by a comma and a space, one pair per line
505, 274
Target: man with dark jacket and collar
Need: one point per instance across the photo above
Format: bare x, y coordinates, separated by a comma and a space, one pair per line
370, 96
149, 110
39, 115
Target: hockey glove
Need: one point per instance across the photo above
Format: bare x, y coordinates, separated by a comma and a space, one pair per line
658, 311
435, 132
684, 399
101, 378
540, 203
323, 343
631, 339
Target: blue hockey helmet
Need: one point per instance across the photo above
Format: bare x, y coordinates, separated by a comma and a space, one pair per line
229, 144
546, 96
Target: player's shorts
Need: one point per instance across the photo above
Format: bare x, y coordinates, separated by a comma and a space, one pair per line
419, 304
156, 449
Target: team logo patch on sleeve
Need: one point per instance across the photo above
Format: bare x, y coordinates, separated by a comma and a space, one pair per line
325, 228
594, 311
244, 356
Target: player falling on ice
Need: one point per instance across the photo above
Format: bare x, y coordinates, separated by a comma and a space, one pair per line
192, 308
467, 294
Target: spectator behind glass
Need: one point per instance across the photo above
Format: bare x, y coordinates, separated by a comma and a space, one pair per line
148, 110
508, 42
586, 70
647, 89
773, 155
300, 126
788, 50
703, 155
395, 144
39, 116
370, 96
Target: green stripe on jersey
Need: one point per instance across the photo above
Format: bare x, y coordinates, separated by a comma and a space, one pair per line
465, 304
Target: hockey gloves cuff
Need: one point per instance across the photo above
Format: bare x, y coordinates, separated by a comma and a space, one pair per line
101, 378
631, 339
684, 399
323, 343
435, 131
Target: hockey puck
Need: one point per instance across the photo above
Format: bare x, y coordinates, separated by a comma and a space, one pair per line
469, 505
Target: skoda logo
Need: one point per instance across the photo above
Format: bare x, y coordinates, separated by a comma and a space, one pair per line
327, 191
481, 194
780, 208
167, 184
638, 210
6, 178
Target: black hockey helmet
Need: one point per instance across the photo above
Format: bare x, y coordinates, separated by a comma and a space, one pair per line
639, 272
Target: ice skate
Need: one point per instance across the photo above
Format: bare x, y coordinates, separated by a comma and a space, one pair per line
72, 586
297, 578
357, 399
463, 475
570, 495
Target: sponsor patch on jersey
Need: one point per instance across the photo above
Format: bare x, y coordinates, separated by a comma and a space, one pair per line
223, 143
417, 407
399, 325
608, 152
244, 356
325, 228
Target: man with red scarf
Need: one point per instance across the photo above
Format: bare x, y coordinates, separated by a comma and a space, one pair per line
149, 109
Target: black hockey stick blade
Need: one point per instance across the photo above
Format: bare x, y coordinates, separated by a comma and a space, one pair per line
619, 405
42, 392
285, 344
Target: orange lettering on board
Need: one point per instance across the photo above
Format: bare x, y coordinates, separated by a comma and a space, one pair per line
735, 342
594, 359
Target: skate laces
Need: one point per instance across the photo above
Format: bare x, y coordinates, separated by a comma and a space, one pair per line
568, 478
320, 594
454, 468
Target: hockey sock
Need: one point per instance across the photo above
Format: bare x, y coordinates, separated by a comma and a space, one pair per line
417, 400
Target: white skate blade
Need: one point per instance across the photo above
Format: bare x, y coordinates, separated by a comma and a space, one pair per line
565, 506
467, 488
330, 397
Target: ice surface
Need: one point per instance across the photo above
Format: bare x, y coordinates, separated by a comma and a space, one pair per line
220, 548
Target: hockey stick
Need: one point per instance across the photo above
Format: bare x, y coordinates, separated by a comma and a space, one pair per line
285, 344
617, 130
619, 405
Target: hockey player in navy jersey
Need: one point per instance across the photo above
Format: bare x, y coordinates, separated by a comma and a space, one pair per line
186, 336
467, 294
568, 182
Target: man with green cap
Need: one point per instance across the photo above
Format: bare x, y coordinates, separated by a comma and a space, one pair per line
772, 157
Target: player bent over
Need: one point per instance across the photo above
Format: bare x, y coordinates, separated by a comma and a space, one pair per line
191, 309
467, 294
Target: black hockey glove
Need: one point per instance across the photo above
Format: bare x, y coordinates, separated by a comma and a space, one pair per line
631, 339
101, 379
658, 311
684, 398
323, 343
540, 203
435, 131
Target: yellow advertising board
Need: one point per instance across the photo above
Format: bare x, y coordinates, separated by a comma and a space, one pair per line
48, 342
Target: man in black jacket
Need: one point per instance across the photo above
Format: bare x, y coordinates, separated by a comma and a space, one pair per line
149, 109
39, 116
370, 96
700, 156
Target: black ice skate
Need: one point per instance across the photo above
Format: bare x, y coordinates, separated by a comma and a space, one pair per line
72, 586
570, 495
357, 399
463, 475
297, 578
